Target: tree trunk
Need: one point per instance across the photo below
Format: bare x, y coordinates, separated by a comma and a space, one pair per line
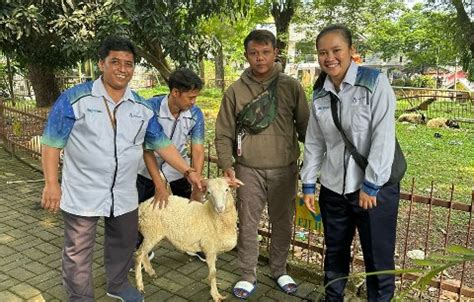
44, 84
465, 24
10, 79
282, 12
202, 70
219, 66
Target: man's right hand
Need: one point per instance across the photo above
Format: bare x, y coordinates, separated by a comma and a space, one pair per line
51, 197
230, 172
161, 198
195, 179
309, 202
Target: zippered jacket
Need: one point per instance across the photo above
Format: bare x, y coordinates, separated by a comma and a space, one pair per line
277, 145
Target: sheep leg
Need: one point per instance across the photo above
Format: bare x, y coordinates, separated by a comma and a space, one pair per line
138, 269
147, 245
211, 263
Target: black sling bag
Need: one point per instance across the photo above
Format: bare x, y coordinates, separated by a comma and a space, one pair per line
399, 165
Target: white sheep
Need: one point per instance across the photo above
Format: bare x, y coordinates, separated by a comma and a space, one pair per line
412, 117
210, 227
440, 122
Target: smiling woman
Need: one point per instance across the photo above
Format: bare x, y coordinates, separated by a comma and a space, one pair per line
335, 51
351, 198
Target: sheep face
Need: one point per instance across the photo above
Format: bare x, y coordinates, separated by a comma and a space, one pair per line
216, 193
452, 124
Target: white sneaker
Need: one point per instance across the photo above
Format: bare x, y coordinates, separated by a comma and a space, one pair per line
151, 255
200, 255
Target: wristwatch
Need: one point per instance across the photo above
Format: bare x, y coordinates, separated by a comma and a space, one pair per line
189, 171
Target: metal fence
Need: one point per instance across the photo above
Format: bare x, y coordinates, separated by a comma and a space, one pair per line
447, 103
425, 223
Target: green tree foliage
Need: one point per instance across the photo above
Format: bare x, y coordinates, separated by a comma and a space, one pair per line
464, 23
45, 36
169, 29
358, 15
283, 12
228, 34
427, 38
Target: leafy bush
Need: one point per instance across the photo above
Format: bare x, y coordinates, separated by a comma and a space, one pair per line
421, 81
398, 82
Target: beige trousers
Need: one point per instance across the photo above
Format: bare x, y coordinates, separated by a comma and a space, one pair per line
277, 189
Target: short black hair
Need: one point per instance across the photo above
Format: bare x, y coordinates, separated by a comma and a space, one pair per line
184, 79
341, 29
261, 36
116, 43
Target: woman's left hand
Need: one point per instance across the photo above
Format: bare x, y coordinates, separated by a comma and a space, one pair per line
366, 201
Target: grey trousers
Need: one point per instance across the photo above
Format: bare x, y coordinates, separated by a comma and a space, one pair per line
277, 188
119, 246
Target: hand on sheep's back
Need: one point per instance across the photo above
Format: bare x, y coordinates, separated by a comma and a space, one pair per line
51, 197
161, 198
196, 195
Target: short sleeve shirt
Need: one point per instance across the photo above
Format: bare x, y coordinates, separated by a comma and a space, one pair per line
100, 165
187, 127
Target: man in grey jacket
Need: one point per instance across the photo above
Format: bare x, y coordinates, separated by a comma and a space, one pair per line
264, 158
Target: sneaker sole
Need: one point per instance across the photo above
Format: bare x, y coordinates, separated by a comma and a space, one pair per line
197, 256
120, 298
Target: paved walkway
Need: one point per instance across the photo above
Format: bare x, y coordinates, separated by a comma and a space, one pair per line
30, 254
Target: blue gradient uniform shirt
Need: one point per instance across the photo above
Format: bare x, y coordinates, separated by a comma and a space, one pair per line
188, 127
100, 165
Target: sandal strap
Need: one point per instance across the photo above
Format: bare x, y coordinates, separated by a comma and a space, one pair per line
245, 285
285, 280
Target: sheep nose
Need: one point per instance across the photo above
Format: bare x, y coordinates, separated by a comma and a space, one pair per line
220, 209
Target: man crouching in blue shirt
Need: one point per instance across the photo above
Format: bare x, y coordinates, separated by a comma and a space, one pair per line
104, 128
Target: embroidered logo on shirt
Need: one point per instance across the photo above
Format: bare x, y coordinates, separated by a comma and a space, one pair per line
93, 110
320, 108
131, 115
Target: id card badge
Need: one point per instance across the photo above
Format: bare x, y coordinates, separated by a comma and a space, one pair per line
239, 143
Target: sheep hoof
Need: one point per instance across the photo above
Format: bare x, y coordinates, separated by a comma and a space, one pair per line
140, 288
218, 297
152, 274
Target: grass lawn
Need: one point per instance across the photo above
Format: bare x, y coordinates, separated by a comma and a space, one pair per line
446, 160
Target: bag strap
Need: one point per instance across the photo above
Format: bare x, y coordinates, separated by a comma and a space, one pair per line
359, 159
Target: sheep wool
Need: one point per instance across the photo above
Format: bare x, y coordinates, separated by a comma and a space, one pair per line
210, 227
413, 117
441, 122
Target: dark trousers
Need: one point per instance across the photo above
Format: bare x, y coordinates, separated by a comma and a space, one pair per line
79, 238
341, 215
146, 188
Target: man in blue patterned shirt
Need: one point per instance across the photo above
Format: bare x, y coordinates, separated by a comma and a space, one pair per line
103, 128
183, 123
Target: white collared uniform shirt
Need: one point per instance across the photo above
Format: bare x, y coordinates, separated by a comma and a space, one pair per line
187, 127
